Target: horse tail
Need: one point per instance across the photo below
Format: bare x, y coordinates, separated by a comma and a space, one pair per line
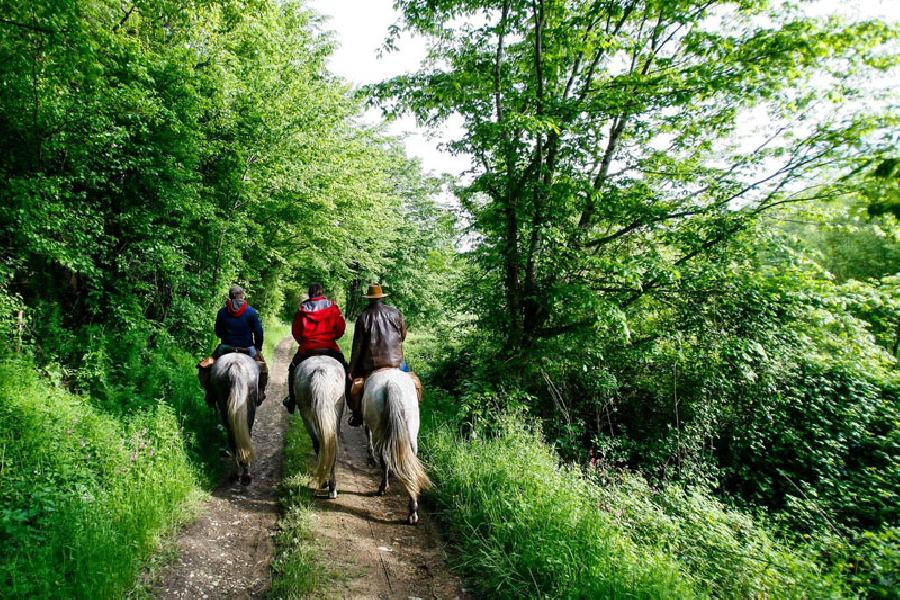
401, 459
326, 423
237, 417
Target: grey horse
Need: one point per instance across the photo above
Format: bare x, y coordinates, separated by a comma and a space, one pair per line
233, 383
391, 413
319, 385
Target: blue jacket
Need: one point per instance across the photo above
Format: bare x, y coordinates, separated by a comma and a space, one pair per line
244, 329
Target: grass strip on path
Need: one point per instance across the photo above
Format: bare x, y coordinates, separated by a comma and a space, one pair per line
297, 571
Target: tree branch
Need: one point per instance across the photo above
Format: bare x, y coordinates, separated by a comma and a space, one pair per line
28, 26
124, 18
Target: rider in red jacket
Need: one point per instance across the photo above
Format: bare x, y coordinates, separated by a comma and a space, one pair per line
318, 323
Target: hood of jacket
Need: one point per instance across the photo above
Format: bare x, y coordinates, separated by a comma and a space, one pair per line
229, 306
316, 309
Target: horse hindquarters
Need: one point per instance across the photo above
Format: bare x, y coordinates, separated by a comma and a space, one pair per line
398, 449
325, 421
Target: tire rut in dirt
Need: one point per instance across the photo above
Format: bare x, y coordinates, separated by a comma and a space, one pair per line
366, 542
227, 552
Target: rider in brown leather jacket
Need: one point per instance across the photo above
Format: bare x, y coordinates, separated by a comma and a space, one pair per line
377, 344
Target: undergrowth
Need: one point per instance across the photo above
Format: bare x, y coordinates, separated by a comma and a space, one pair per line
97, 462
84, 492
521, 525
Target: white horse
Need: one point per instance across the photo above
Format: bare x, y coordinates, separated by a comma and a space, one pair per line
319, 387
233, 381
391, 412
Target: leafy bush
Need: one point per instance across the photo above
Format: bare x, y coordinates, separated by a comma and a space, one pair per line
824, 442
519, 524
84, 494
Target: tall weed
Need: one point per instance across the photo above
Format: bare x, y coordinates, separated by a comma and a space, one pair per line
520, 524
88, 482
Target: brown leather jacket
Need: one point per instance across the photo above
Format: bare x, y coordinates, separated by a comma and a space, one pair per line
377, 339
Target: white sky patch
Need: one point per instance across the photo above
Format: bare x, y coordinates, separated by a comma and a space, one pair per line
855, 9
360, 28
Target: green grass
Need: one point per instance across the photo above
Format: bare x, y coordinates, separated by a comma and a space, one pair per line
84, 493
297, 569
166, 553
275, 332
91, 482
521, 525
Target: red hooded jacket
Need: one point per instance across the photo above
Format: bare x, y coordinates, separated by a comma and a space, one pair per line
317, 324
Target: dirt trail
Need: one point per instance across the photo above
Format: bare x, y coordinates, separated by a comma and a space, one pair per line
226, 553
366, 543
367, 548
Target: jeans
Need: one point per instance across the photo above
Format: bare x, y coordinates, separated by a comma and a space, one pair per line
225, 349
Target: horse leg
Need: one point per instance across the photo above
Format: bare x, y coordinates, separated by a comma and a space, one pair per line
251, 417
413, 516
332, 480
370, 448
332, 485
235, 463
235, 467
385, 474
312, 435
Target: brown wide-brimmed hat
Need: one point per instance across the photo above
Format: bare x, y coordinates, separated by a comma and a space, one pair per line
374, 291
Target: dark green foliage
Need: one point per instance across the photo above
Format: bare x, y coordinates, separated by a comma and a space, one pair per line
604, 139
643, 279
149, 164
84, 495
881, 186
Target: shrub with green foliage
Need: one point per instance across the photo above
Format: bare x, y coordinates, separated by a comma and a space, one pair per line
85, 493
520, 524
153, 154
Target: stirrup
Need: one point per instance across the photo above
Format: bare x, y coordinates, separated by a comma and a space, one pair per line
290, 406
355, 420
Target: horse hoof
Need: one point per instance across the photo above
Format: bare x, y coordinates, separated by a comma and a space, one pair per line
382, 491
246, 479
332, 494
413, 518
371, 462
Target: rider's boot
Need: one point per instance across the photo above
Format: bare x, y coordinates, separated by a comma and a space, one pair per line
356, 394
418, 383
263, 380
204, 371
289, 402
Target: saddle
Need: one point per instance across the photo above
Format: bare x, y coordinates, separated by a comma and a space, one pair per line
354, 397
204, 372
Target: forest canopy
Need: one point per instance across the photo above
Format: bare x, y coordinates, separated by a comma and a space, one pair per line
154, 153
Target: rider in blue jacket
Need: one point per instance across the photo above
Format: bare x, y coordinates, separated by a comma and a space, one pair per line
238, 325
239, 328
